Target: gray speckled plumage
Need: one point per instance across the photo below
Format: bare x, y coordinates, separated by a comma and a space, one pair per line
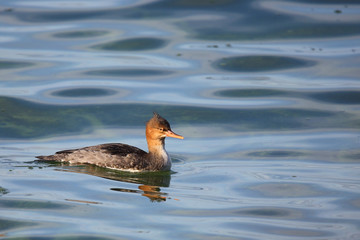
110, 155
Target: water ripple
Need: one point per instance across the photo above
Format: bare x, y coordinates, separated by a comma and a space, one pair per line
260, 63
133, 44
88, 60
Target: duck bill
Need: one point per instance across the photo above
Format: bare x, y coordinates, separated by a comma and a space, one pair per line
170, 133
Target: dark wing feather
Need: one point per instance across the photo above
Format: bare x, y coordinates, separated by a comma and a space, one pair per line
120, 149
69, 151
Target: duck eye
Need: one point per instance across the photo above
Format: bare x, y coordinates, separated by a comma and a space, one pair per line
161, 129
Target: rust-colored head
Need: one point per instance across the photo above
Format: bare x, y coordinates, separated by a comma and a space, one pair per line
159, 128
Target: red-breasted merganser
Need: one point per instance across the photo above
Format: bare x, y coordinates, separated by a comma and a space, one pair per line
125, 157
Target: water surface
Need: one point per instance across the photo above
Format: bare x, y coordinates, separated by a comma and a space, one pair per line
266, 94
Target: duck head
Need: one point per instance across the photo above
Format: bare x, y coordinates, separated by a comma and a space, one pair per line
157, 128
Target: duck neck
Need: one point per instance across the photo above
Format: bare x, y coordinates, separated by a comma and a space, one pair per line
158, 154
156, 146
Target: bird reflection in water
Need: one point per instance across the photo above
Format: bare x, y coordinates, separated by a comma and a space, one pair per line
150, 182
151, 192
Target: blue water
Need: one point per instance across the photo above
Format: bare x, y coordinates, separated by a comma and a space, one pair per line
266, 94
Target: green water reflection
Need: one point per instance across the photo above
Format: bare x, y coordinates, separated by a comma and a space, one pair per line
276, 154
133, 44
348, 97
128, 72
23, 119
12, 64
6, 225
81, 34
240, 93
84, 92
24, 204
159, 179
260, 63
340, 97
